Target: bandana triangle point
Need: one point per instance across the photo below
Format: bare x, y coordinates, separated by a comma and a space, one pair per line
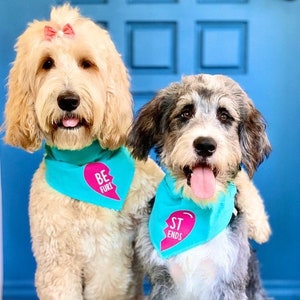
92, 174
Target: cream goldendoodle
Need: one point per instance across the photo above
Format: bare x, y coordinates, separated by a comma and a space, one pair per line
69, 87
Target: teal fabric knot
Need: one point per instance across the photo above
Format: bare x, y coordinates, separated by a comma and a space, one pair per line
178, 224
95, 175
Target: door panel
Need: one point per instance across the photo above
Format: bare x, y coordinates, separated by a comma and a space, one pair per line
256, 42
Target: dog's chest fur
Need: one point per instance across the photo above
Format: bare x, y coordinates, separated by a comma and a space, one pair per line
201, 272
204, 264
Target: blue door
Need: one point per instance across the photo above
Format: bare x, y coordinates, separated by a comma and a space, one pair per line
256, 42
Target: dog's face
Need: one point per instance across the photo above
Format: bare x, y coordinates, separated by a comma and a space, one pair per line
68, 85
203, 129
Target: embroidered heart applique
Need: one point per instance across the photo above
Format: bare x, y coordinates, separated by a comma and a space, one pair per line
180, 224
98, 178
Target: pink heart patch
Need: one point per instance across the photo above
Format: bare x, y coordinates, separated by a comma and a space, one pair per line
180, 224
98, 178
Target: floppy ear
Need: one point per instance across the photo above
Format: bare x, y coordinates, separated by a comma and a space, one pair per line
118, 114
253, 139
20, 121
145, 132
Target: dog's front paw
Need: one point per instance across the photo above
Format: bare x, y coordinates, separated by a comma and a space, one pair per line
260, 232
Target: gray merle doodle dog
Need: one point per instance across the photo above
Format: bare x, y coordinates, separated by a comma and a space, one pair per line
194, 241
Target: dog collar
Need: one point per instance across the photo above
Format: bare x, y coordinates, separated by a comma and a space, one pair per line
92, 174
178, 224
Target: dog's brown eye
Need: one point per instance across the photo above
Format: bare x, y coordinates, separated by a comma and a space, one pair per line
224, 116
86, 64
187, 113
48, 64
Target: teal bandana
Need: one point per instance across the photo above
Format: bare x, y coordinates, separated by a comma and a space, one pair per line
178, 224
92, 174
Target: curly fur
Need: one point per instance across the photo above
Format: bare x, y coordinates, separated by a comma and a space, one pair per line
214, 108
83, 66
82, 251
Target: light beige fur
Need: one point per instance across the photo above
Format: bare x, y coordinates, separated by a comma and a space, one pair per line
252, 206
82, 251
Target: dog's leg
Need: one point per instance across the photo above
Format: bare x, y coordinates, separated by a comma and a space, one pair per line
255, 290
163, 287
59, 268
162, 284
138, 276
58, 282
233, 285
107, 278
251, 205
58, 274
109, 271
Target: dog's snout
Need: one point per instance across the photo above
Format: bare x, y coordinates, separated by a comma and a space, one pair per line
68, 101
205, 146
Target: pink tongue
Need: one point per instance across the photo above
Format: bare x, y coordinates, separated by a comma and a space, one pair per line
203, 182
72, 122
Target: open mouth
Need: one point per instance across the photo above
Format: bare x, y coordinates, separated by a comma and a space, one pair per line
202, 180
70, 121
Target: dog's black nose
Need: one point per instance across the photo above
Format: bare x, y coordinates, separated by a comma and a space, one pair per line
205, 146
68, 101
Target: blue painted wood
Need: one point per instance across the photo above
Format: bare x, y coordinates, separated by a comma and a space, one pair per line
17, 166
256, 42
160, 38
221, 47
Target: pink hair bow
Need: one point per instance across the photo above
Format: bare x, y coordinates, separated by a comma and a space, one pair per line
51, 32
